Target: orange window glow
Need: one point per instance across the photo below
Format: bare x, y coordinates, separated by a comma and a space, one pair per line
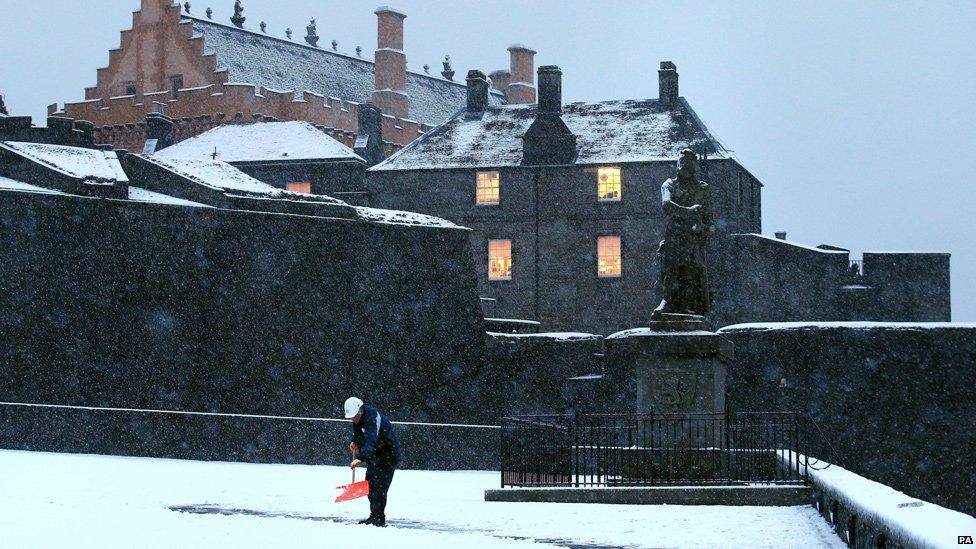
488, 188
499, 260
609, 264
608, 184
300, 188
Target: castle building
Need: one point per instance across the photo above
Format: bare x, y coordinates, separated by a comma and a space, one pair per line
565, 206
204, 71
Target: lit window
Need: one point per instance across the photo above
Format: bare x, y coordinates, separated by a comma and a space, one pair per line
499, 260
608, 184
300, 187
487, 187
608, 257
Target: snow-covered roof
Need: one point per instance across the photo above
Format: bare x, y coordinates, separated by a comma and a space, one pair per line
138, 194
607, 132
261, 142
396, 217
793, 326
7, 184
90, 165
277, 63
791, 243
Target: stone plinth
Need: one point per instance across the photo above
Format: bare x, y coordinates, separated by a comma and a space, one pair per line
674, 365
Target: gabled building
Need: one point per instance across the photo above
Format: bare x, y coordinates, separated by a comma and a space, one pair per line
203, 70
565, 206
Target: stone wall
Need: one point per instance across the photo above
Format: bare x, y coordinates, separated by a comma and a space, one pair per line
897, 401
110, 303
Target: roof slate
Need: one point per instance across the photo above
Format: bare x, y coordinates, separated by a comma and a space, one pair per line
607, 132
276, 63
262, 142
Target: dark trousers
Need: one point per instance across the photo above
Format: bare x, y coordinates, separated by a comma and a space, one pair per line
379, 478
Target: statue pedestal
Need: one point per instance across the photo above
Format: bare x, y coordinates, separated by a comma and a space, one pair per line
675, 365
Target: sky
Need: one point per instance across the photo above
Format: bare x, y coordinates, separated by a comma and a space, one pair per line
857, 116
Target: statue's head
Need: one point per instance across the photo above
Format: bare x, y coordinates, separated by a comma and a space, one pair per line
687, 164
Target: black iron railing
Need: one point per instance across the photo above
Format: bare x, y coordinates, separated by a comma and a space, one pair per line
654, 449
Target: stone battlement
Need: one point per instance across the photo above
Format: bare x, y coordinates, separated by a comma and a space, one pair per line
228, 103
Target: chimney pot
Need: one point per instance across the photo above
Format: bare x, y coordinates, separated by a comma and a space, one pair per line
668, 84
477, 91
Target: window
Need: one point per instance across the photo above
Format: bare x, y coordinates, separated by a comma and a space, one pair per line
609, 264
299, 187
175, 84
499, 260
488, 186
608, 184
129, 88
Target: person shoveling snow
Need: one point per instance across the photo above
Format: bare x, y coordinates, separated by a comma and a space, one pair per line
375, 444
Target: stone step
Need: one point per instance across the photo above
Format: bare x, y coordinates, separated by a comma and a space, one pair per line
762, 495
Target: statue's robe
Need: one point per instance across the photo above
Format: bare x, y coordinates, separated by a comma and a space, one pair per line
684, 273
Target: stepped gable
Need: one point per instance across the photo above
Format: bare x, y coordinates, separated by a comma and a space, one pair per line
607, 132
265, 142
280, 64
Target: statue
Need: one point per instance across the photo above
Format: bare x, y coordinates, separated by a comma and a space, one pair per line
238, 18
448, 72
313, 36
687, 206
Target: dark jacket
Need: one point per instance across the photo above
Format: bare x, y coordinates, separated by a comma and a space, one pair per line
377, 441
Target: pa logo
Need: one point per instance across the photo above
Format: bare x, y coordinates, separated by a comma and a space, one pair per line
965, 540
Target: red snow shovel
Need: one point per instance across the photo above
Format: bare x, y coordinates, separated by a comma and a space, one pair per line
353, 491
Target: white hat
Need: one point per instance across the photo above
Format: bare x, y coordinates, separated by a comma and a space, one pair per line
352, 407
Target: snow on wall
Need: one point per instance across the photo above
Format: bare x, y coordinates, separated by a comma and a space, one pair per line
787, 326
907, 520
396, 217
268, 141
88, 164
549, 336
7, 184
138, 194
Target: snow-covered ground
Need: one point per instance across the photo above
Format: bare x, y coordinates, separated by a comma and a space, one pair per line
67, 500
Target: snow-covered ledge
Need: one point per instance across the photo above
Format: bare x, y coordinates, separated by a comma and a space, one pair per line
865, 513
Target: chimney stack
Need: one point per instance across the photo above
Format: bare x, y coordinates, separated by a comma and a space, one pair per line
668, 84
500, 80
550, 89
521, 89
477, 91
548, 141
390, 94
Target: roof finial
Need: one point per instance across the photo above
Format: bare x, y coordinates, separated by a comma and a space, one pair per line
238, 18
209, 13
427, 68
288, 33
313, 37
448, 72
264, 27
359, 51
3, 107
335, 45
186, 6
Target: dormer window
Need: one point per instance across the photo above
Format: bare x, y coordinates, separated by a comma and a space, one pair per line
487, 188
608, 184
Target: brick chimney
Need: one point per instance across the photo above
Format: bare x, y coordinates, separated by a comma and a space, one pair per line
548, 141
477, 91
390, 94
521, 89
500, 80
668, 84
